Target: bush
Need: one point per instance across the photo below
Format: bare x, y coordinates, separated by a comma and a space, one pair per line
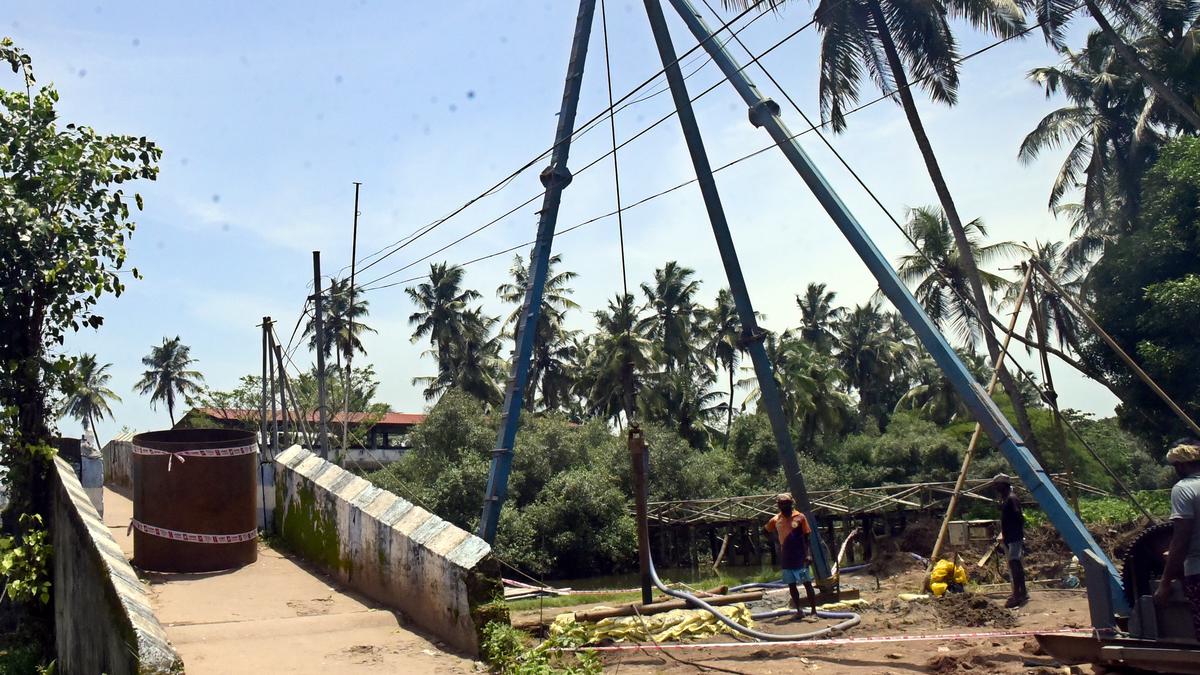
509, 652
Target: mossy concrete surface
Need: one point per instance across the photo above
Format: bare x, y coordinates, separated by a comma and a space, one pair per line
103, 618
441, 577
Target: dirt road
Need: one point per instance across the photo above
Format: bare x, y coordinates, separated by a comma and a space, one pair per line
277, 616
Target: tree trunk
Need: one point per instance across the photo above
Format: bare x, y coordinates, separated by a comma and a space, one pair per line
1131, 59
961, 242
729, 417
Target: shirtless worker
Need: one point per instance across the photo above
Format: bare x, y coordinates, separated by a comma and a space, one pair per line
793, 530
1183, 556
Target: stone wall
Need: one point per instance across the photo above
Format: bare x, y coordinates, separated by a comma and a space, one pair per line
442, 578
102, 614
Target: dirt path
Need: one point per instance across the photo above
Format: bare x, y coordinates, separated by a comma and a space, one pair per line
277, 616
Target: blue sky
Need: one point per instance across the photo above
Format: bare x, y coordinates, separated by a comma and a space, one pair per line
267, 112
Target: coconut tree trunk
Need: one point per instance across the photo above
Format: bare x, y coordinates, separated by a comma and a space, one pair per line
961, 242
1131, 59
729, 413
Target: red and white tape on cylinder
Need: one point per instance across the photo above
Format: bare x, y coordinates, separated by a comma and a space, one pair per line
202, 452
176, 535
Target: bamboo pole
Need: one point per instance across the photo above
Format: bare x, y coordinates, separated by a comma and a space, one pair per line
952, 507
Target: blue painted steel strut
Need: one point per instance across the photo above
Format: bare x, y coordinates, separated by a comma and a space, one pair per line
765, 113
752, 336
555, 178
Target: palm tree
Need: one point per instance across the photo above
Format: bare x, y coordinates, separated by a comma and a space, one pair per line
169, 376
683, 400
817, 316
615, 353
724, 330
1163, 32
441, 307
1112, 137
473, 363
887, 41
938, 274
1051, 309
343, 322
674, 314
551, 340
88, 393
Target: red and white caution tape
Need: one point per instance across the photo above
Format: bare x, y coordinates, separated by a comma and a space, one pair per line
200, 452
828, 641
192, 537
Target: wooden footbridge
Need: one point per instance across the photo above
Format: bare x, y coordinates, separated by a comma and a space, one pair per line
678, 528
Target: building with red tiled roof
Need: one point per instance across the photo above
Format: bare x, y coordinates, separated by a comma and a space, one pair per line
387, 430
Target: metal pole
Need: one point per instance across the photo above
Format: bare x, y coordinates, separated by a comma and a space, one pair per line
752, 336
640, 457
319, 332
555, 178
274, 444
952, 507
262, 406
1137, 370
765, 113
350, 325
286, 387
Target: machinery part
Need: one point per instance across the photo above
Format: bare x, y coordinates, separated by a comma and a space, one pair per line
1145, 560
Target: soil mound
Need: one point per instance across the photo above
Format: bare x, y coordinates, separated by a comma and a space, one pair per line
968, 609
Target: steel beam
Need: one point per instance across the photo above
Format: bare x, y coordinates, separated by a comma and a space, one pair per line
765, 113
555, 178
752, 336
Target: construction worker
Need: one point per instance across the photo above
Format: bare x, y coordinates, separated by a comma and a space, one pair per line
1012, 532
1183, 556
793, 530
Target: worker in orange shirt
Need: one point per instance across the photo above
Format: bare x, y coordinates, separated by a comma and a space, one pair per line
793, 530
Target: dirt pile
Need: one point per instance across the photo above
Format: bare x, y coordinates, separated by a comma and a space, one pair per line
974, 611
970, 662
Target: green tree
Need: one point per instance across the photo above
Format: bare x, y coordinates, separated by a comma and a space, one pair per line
939, 276
1145, 292
674, 315
613, 355
724, 330
442, 304
818, 315
169, 377
88, 393
64, 220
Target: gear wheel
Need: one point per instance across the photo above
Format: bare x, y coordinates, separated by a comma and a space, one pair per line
1145, 560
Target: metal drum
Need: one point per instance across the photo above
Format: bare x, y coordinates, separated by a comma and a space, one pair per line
193, 500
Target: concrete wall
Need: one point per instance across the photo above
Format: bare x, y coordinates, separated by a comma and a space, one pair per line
118, 461
103, 620
442, 578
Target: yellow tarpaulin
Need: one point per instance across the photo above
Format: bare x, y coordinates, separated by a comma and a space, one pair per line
944, 573
674, 626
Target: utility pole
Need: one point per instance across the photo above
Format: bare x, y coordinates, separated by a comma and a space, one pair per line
262, 406
319, 332
555, 178
350, 326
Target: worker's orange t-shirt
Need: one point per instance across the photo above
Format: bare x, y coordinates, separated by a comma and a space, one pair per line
793, 534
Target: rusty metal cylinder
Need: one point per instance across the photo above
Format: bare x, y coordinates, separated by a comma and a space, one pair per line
194, 500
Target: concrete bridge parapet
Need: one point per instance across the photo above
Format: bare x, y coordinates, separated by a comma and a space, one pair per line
441, 577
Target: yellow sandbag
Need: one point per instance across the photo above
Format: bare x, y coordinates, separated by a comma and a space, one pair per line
673, 626
942, 571
909, 597
938, 588
960, 575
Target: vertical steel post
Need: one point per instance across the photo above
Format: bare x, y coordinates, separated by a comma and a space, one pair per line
752, 336
319, 332
555, 178
350, 326
765, 113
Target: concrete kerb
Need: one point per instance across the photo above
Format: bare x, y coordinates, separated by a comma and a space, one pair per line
103, 618
440, 576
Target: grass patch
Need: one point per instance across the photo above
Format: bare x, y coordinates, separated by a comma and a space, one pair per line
573, 599
1108, 511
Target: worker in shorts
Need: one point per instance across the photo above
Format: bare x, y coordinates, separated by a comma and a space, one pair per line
792, 529
1012, 531
1183, 555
